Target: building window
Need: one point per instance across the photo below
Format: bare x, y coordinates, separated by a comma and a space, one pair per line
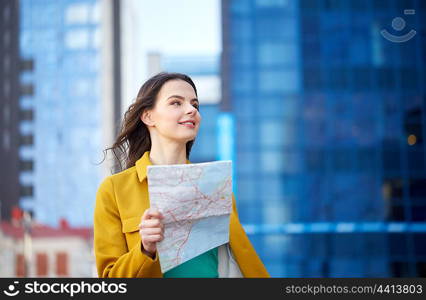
77, 39
246, 134
278, 81
41, 265
77, 14
275, 53
20, 265
27, 115
27, 65
96, 38
6, 38
400, 269
315, 160
276, 28
6, 62
241, 30
292, 162
27, 191
96, 12
417, 188
240, 7
26, 178
26, 103
242, 55
6, 113
26, 127
245, 81
271, 161
26, 152
270, 130
6, 88
62, 264
27, 139
6, 140
27, 89
80, 87
289, 4
26, 165
6, 13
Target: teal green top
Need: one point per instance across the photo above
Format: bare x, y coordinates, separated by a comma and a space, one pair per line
202, 266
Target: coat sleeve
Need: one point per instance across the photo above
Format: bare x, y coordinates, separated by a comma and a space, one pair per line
248, 261
113, 258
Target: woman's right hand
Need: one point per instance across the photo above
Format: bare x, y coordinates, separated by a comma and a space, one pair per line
151, 230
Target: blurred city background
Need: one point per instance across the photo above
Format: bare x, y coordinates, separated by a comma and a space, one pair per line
320, 104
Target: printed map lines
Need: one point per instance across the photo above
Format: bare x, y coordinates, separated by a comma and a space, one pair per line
191, 198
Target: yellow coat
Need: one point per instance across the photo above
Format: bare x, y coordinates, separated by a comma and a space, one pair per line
120, 202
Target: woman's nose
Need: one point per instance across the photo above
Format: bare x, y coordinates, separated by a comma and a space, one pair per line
191, 109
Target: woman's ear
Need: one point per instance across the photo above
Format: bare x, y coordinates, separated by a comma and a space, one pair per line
146, 117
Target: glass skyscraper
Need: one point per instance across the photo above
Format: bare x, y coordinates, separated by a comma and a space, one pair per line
10, 91
62, 38
330, 122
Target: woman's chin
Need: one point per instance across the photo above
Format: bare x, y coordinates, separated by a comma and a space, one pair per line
189, 136
190, 139
185, 139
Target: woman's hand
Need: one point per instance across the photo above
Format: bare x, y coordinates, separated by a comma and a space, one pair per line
151, 230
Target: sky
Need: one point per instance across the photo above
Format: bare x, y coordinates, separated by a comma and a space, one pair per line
170, 27
181, 27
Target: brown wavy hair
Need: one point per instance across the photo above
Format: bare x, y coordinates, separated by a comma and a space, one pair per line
134, 139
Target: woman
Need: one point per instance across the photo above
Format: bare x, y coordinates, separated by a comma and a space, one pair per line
159, 128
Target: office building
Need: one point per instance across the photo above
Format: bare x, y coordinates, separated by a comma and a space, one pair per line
75, 75
329, 133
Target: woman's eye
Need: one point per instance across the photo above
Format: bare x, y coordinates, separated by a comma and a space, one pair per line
196, 106
176, 102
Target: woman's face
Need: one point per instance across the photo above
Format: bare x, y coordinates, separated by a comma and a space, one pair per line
175, 115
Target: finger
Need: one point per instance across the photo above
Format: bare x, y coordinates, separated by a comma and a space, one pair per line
151, 223
153, 238
144, 215
151, 231
154, 213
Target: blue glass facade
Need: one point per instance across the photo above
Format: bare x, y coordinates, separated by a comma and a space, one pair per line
205, 146
330, 129
63, 39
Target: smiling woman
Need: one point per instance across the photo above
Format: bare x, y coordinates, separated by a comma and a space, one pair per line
160, 129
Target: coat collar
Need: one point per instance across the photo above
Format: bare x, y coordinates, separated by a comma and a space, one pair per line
142, 163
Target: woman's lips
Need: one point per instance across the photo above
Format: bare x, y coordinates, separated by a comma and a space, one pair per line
188, 124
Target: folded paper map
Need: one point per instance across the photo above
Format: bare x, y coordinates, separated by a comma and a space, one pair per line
196, 202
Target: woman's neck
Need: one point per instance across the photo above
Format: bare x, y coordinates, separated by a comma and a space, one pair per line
169, 154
